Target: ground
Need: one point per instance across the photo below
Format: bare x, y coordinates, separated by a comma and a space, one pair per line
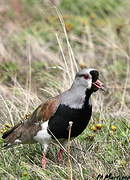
41, 48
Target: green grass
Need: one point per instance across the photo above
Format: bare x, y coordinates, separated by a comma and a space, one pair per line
100, 8
107, 151
33, 68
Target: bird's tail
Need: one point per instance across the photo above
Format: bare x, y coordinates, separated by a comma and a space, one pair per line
24, 131
12, 136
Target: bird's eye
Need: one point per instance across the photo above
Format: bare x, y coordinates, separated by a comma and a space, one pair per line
86, 76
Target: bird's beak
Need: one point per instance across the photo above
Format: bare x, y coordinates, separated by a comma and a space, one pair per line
99, 84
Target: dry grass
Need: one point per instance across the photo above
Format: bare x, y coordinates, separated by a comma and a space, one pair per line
104, 46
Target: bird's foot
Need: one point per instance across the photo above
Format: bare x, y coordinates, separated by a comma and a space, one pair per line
60, 153
44, 161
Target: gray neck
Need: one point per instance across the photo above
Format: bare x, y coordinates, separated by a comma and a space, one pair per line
74, 97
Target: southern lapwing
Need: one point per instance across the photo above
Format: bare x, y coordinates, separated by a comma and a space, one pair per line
50, 120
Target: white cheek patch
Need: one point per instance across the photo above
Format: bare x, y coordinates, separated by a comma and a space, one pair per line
89, 83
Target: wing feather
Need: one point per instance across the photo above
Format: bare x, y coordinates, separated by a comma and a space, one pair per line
45, 111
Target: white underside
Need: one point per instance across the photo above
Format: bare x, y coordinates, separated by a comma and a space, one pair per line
43, 137
17, 141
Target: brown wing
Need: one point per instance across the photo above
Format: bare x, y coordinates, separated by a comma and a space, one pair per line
26, 130
45, 110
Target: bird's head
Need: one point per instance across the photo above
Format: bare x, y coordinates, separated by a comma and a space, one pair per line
89, 79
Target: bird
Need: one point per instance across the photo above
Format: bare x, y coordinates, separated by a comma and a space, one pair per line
50, 120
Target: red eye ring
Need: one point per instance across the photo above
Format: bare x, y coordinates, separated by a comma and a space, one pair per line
86, 76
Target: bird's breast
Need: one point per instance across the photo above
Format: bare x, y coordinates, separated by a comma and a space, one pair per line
59, 123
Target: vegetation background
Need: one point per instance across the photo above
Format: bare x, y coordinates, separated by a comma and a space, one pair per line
42, 44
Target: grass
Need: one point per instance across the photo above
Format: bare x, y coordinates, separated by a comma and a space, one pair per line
37, 62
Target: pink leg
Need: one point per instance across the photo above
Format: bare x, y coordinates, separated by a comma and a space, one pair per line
60, 158
44, 161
